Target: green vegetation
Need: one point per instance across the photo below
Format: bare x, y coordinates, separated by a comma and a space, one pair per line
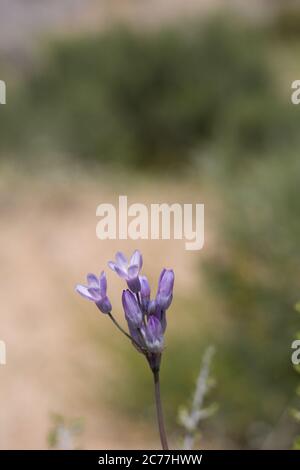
203, 93
158, 99
295, 412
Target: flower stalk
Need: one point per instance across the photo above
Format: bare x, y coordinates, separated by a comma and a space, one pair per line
146, 318
159, 411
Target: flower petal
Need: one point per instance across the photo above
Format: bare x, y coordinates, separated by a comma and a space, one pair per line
121, 260
104, 305
145, 287
154, 335
103, 284
95, 293
92, 280
165, 288
160, 278
136, 259
134, 284
117, 269
133, 271
83, 290
132, 309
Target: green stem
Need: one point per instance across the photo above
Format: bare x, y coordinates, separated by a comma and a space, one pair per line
122, 330
159, 410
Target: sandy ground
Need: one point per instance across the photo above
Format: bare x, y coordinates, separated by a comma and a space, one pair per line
47, 245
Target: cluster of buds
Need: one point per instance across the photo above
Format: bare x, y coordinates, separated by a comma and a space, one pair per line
146, 317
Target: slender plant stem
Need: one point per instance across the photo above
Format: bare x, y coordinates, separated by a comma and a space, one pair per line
118, 325
122, 330
160, 417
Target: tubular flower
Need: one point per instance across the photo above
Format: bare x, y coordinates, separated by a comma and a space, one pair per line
145, 317
145, 293
96, 291
164, 294
128, 270
132, 309
153, 335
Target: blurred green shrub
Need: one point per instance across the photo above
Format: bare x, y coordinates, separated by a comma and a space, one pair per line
152, 99
286, 24
252, 276
255, 277
295, 412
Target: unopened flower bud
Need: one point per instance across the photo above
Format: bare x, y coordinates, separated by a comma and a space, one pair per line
132, 309
165, 289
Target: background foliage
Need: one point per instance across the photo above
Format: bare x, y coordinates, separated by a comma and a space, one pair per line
206, 97
157, 99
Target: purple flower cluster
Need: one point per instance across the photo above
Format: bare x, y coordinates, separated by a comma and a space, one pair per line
146, 318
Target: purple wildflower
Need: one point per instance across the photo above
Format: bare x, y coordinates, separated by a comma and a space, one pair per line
153, 335
128, 270
164, 294
152, 307
160, 314
146, 318
132, 309
145, 293
96, 291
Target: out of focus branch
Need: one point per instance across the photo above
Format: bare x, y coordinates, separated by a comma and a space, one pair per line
190, 420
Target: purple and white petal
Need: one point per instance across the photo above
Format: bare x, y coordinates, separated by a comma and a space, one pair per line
134, 284
103, 284
132, 309
95, 293
104, 305
133, 271
84, 292
136, 259
121, 260
92, 280
153, 335
145, 287
165, 289
118, 270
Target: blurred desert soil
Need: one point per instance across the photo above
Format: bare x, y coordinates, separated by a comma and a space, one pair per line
60, 350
